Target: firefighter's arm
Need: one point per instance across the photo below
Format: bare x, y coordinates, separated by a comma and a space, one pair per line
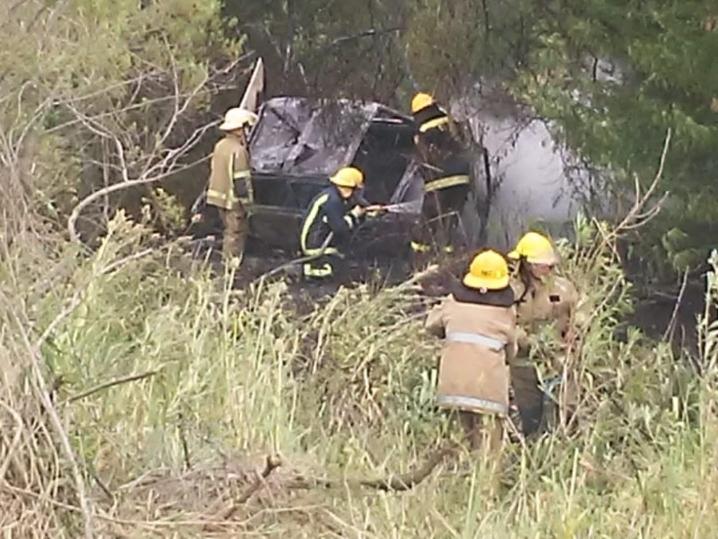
219, 188
219, 166
512, 346
241, 176
435, 323
240, 165
340, 222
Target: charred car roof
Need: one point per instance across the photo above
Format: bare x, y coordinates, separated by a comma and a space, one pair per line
311, 137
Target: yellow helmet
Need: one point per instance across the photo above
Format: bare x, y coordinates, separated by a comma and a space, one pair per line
535, 248
421, 101
489, 271
238, 118
348, 177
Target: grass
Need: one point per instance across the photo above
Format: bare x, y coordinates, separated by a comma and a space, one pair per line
342, 392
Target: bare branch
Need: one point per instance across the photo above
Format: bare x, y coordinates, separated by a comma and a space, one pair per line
77, 210
41, 388
637, 216
366, 33
670, 328
15, 440
112, 383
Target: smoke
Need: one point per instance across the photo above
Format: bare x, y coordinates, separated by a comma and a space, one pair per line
529, 186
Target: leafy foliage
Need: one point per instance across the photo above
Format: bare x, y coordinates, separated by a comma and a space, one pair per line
101, 90
326, 49
166, 383
612, 77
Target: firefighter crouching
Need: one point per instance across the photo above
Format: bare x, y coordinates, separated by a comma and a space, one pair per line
329, 221
447, 178
541, 298
478, 324
229, 188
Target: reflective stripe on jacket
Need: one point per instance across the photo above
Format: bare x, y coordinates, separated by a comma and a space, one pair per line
431, 117
328, 213
452, 171
229, 171
473, 372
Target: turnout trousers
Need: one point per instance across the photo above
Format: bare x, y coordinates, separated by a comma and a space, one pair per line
235, 228
440, 222
528, 396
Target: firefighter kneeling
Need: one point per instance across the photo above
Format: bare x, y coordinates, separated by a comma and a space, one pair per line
329, 221
478, 323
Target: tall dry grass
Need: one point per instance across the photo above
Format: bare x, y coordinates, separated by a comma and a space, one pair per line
172, 388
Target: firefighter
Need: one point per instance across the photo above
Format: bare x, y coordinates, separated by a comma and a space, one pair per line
433, 125
447, 178
477, 321
229, 188
329, 221
541, 298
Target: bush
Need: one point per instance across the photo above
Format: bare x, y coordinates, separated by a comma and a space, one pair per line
343, 393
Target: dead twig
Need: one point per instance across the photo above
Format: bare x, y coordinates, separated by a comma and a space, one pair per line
272, 463
668, 334
184, 444
638, 215
112, 383
77, 210
402, 482
394, 482
15, 441
41, 388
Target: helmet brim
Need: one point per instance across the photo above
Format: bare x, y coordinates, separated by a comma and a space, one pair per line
477, 283
232, 127
548, 260
542, 261
340, 183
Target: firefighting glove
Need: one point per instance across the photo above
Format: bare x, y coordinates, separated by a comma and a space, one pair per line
357, 212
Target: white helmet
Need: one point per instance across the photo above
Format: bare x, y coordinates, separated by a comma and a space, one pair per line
237, 118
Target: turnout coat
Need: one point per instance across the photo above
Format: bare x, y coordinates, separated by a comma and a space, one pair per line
480, 339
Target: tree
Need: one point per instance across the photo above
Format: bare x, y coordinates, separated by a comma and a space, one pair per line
611, 77
100, 92
325, 49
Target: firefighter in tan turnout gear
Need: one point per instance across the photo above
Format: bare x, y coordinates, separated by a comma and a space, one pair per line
478, 324
541, 298
229, 188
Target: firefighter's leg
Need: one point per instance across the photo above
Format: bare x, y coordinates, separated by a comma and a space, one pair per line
446, 227
319, 269
235, 232
483, 431
471, 425
493, 433
492, 439
242, 229
421, 238
528, 396
439, 223
341, 269
420, 245
452, 201
328, 267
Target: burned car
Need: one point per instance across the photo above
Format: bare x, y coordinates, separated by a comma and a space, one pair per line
298, 143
